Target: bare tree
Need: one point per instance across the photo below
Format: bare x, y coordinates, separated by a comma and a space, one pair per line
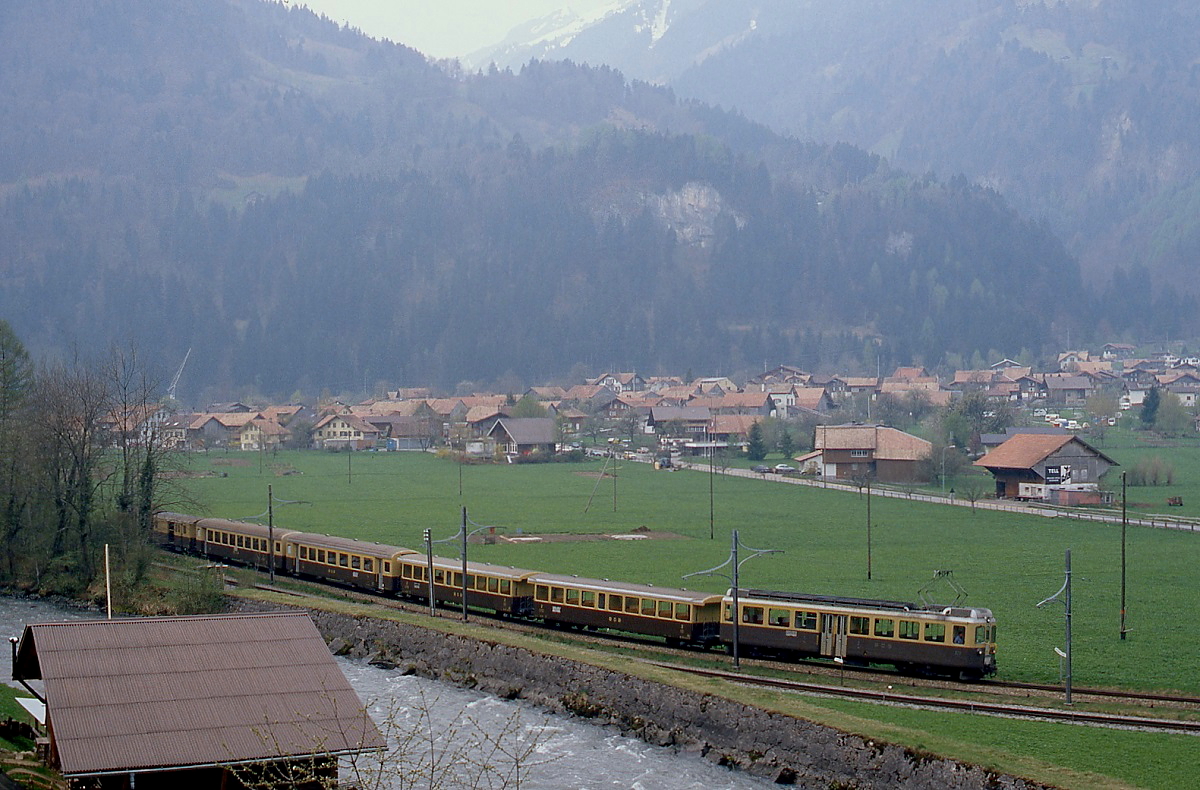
467, 754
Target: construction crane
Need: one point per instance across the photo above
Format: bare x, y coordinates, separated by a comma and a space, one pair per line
178, 373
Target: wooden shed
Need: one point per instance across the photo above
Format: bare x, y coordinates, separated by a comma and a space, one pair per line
196, 702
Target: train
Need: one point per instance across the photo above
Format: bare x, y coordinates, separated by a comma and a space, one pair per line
941, 640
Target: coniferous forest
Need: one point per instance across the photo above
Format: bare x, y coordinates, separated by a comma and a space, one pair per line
306, 208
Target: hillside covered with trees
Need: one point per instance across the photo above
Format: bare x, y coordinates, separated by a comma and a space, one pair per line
307, 208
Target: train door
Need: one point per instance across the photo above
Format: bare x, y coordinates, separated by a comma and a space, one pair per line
833, 635
170, 532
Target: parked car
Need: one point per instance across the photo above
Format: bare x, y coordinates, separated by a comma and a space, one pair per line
784, 469
760, 469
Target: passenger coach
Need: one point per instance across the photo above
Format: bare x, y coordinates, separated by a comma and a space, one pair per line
497, 588
354, 563
679, 616
237, 542
941, 639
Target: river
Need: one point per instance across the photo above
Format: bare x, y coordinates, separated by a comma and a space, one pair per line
479, 741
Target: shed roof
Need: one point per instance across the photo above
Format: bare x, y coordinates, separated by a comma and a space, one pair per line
176, 692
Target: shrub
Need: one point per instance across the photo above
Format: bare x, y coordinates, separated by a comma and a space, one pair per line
1154, 471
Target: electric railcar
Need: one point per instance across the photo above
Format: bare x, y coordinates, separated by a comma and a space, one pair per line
912, 637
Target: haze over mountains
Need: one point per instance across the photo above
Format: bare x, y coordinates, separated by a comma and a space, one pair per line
310, 209
1081, 111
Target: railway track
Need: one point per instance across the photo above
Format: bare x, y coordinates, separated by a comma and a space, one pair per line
937, 703
887, 680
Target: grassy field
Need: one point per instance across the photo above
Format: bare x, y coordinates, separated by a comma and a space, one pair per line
1006, 562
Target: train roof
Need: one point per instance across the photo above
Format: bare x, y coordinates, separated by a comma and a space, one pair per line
501, 571
245, 528
622, 588
365, 548
874, 604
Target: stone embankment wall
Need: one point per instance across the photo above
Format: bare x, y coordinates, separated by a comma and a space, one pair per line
787, 750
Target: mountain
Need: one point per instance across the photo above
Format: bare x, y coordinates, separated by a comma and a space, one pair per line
1080, 111
310, 209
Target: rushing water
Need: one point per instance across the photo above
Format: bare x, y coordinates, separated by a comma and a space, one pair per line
478, 740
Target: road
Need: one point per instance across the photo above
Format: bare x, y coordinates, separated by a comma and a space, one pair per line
1156, 521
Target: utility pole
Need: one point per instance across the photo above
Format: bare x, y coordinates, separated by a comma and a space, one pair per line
1124, 524
1065, 591
734, 569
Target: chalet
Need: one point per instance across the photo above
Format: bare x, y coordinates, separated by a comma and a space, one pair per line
1117, 350
1068, 390
875, 452
620, 382
783, 374
524, 436
752, 403
813, 401
731, 428
1039, 460
193, 702
690, 421
339, 431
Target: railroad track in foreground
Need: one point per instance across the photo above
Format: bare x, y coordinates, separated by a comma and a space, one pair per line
812, 668
936, 703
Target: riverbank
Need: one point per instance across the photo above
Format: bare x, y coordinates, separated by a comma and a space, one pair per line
783, 748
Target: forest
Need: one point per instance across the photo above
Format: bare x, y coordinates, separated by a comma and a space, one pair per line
309, 209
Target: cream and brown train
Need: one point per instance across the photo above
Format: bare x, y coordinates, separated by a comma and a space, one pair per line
944, 640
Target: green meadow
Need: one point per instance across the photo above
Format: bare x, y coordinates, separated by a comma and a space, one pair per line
1006, 562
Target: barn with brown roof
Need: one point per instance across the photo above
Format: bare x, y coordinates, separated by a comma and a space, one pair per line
1044, 459
171, 702
878, 452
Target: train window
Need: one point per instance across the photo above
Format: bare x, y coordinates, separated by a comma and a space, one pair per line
320, 555
805, 620
406, 571
587, 598
278, 548
343, 560
648, 607
616, 603
885, 626
241, 542
935, 632
728, 613
368, 565
470, 580
456, 580
981, 635
573, 597
387, 566
752, 614
860, 625
481, 583
779, 617
960, 634
439, 576
665, 608
505, 587
631, 604
682, 611
910, 630
493, 584
304, 552
541, 593
556, 594
600, 602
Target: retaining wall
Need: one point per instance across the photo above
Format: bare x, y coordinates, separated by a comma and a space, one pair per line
785, 749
